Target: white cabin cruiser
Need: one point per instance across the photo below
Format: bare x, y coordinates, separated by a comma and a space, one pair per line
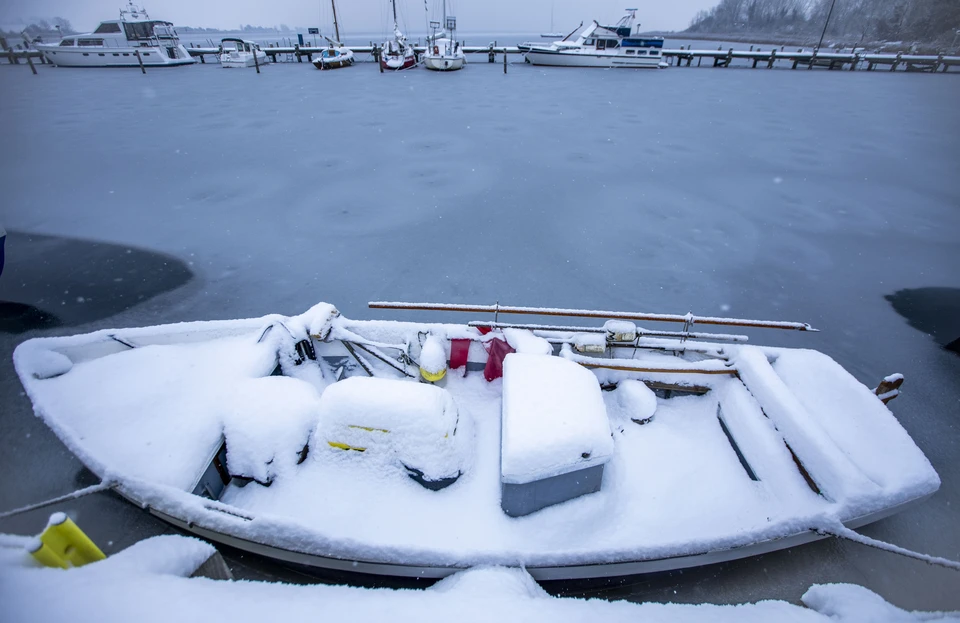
420, 449
241, 53
601, 46
125, 42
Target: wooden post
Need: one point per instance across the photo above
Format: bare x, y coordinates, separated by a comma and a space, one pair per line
30, 62
504, 60
140, 59
896, 63
939, 62
729, 57
256, 61
856, 59
773, 57
296, 52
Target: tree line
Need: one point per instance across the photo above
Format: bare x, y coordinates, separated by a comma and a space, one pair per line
927, 21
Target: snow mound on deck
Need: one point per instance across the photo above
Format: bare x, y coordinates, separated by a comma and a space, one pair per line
267, 422
636, 399
415, 423
47, 364
554, 419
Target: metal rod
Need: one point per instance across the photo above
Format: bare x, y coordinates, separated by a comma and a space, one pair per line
589, 313
641, 332
829, 13
382, 358
79, 493
362, 363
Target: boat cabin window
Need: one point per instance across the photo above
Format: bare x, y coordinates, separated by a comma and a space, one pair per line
630, 51
140, 30
67, 42
642, 52
601, 44
589, 42
654, 52
90, 42
107, 27
612, 43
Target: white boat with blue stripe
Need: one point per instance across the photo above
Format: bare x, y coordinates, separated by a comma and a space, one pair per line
601, 46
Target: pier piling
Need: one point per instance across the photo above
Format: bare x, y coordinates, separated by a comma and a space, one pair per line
140, 60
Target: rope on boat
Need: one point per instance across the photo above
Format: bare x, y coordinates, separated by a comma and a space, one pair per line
79, 493
842, 532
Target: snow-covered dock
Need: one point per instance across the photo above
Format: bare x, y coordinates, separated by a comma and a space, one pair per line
775, 57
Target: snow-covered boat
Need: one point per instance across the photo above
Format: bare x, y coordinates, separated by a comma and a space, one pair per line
118, 43
241, 53
335, 56
621, 45
420, 449
397, 53
444, 52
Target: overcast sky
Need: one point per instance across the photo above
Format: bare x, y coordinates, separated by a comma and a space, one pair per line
363, 15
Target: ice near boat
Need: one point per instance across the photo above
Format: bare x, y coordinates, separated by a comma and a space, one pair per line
420, 449
125, 42
621, 45
241, 53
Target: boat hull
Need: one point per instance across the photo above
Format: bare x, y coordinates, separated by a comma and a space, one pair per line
243, 60
396, 63
545, 573
344, 60
578, 59
65, 56
444, 63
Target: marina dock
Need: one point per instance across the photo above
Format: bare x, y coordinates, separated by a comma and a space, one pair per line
767, 59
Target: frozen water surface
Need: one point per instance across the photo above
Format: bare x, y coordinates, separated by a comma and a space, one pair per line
793, 195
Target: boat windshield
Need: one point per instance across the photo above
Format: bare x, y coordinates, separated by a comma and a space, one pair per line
147, 30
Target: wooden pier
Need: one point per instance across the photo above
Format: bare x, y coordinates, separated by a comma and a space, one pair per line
774, 57
768, 59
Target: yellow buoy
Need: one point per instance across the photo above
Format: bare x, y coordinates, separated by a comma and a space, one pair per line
45, 556
64, 539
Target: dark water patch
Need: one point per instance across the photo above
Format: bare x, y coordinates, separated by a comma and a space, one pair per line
935, 311
21, 317
51, 281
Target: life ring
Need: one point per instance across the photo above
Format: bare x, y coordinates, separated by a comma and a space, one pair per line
436, 51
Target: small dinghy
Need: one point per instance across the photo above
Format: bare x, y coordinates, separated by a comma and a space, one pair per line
420, 449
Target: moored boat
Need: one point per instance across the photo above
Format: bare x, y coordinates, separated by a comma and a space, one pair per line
574, 451
444, 52
241, 53
621, 45
130, 41
335, 56
397, 53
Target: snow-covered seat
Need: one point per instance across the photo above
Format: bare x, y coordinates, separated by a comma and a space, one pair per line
555, 434
414, 424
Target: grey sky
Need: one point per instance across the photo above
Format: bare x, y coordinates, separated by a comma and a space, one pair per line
363, 15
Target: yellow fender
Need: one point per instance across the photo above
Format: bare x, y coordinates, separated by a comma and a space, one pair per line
433, 377
65, 540
46, 556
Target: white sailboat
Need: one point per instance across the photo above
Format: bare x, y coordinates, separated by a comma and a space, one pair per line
444, 52
397, 53
336, 55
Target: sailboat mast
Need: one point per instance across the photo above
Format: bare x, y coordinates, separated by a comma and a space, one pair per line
336, 27
393, 3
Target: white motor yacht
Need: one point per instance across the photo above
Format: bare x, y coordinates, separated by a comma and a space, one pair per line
601, 46
126, 42
240, 53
